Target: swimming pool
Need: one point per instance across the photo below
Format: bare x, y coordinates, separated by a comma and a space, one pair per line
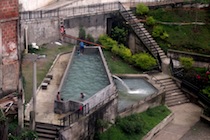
85, 73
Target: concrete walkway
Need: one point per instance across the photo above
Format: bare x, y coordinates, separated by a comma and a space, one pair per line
45, 98
185, 116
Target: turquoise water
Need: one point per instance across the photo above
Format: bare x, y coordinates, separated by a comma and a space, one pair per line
86, 74
139, 88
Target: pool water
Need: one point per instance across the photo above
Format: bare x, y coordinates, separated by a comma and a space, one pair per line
139, 88
87, 75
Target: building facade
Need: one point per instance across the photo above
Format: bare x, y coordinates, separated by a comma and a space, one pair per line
9, 61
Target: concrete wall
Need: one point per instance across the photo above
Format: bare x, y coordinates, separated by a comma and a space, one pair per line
40, 31
200, 59
47, 30
29, 5
86, 126
94, 25
148, 102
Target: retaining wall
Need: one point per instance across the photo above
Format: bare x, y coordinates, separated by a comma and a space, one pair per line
201, 60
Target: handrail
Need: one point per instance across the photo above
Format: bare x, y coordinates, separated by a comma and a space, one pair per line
122, 9
82, 111
157, 81
85, 41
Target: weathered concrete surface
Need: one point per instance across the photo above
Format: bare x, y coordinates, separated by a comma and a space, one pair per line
45, 98
185, 116
200, 131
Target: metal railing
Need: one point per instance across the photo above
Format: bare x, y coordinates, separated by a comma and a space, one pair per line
90, 9
70, 12
72, 117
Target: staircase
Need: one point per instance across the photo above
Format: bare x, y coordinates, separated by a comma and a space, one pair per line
142, 33
174, 95
45, 131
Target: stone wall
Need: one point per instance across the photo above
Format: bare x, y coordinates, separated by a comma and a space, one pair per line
8, 46
201, 60
94, 25
86, 126
143, 105
40, 31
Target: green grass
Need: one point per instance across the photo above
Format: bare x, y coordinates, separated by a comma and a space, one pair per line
118, 66
189, 38
149, 119
43, 66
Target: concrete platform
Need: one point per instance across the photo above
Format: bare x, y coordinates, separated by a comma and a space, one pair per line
45, 98
185, 117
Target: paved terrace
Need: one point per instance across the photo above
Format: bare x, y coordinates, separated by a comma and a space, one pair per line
45, 98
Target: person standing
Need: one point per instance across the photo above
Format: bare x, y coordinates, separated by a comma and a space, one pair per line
81, 46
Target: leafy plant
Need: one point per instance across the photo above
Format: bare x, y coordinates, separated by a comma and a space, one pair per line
144, 61
82, 33
141, 9
159, 32
107, 42
119, 34
130, 125
186, 62
206, 91
90, 38
150, 20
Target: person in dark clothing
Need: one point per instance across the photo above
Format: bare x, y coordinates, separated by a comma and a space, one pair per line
81, 46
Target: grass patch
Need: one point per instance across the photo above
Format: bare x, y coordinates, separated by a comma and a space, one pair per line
118, 66
136, 126
43, 66
190, 38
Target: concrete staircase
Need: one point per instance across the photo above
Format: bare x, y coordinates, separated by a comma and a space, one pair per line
45, 131
174, 95
142, 34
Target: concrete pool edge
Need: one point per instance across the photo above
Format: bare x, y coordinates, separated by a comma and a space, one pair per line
61, 107
150, 101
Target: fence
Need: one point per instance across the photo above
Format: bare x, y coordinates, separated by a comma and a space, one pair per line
91, 9
70, 12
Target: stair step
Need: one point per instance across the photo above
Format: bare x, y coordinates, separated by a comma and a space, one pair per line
163, 56
46, 136
168, 83
178, 96
165, 80
177, 102
46, 131
175, 91
170, 86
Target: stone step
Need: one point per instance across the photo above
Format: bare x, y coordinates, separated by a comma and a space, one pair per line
46, 136
163, 57
177, 102
170, 86
165, 80
172, 98
168, 83
46, 131
177, 93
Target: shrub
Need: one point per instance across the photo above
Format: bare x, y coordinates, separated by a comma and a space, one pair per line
119, 34
90, 38
144, 61
141, 9
107, 42
82, 33
112, 134
159, 32
150, 20
124, 52
206, 91
131, 124
186, 62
